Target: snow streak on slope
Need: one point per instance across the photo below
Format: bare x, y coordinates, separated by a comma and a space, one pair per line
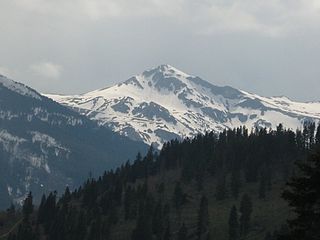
18, 87
165, 103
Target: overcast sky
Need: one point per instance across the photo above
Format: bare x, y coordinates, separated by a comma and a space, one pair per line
72, 46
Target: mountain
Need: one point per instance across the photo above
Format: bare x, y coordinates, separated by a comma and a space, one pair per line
165, 103
45, 146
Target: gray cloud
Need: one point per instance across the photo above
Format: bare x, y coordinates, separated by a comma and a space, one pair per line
46, 70
269, 47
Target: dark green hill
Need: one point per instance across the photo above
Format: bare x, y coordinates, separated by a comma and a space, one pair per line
186, 191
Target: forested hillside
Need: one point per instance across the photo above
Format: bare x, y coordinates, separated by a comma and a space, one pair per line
225, 186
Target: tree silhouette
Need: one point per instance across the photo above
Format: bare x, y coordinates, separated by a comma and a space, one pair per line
303, 195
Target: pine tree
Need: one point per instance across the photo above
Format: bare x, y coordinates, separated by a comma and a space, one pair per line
262, 186
49, 210
233, 224
67, 195
203, 220
27, 208
127, 202
167, 234
41, 209
312, 129
25, 232
158, 221
317, 138
245, 218
183, 232
268, 236
12, 236
303, 195
221, 188
143, 230
179, 197
235, 183
11, 211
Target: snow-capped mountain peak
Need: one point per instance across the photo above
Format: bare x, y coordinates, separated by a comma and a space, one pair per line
163, 103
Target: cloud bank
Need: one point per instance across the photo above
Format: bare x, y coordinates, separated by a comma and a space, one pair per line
250, 44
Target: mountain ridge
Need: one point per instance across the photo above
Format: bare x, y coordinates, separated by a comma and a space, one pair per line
45, 146
164, 103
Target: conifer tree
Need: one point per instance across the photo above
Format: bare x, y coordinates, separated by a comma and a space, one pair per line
143, 230
167, 234
235, 183
262, 186
303, 195
203, 220
179, 197
41, 209
12, 236
317, 138
25, 232
67, 195
158, 221
11, 211
183, 232
233, 224
245, 218
221, 188
268, 236
27, 208
127, 202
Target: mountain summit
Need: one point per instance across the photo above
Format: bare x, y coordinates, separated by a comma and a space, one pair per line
163, 103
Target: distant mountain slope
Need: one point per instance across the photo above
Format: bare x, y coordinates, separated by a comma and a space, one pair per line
165, 103
45, 146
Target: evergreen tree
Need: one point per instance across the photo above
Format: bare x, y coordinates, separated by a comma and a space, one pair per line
312, 128
317, 138
67, 195
167, 234
179, 197
27, 208
183, 232
268, 236
262, 186
200, 179
203, 220
245, 218
235, 183
233, 224
12, 236
128, 202
303, 195
50, 211
11, 211
25, 232
41, 209
158, 221
221, 188
143, 230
